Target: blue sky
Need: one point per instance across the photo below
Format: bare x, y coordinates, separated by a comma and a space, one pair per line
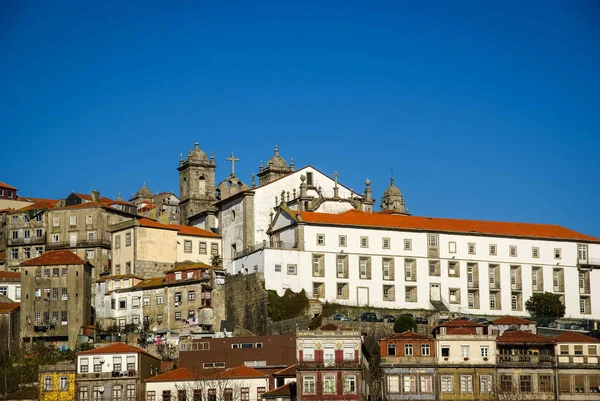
483, 110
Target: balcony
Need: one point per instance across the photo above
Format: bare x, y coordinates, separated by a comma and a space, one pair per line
95, 243
589, 262
106, 375
516, 360
589, 360
515, 287
28, 241
408, 360
264, 245
473, 284
312, 365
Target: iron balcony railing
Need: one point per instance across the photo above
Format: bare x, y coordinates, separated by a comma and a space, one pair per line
27, 241
264, 245
311, 365
94, 243
525, 359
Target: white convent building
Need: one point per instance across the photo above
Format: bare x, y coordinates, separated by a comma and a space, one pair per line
393, 260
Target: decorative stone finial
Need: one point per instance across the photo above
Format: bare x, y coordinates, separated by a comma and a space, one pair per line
367, 182
294, 192
196, 146
276, 150
292, 164
260, 166
212, 156
302, 178
253, 182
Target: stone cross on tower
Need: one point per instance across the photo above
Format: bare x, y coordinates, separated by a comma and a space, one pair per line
335, 187
232, 159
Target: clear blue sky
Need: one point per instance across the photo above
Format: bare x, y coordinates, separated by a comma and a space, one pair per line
483, 110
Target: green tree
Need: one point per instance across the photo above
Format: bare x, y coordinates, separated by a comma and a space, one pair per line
404, 323
545, 307
216, 261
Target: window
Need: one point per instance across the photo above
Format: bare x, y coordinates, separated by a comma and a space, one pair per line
391, 349
159, 319
117, 393
187, 246
385, 243
64, 295
309, 353
466, 383
445, 350
202, 248
177, 297
72, 220
545, 384
393, 384
39, 233
582, 252
26, 234
151, 396
342, 240
592, 350
89, 254
465, 350
451, 247
15, 234
38, 251
340, 267
191, 295
364, 242
177, 276
308, 385
309, 178
212, 394
166, 395
410, 384
260, 391
407, 244
3, 291
83, 394
48, 385
471, 248
177, 315
454, 295
97, 365
426, 384
117, 241
362, 265
350, 385
55, 222
181, 395
514, 302
432, 240
18, 292
54, 294
525, 383
342, 290
564, 384
127, 267
506, 383
117, 363
408, 349
329, 384
159, 300
277, 268
46, 273
493, 250
135, 302
14, 253
557, 253
146, 301
130, 362
291, 269
91, 235
127, 239
55, 238
535, 252
245, 394
425, 350
65, 271
512, 251
320, 239
434, 267
83, 365
485, 384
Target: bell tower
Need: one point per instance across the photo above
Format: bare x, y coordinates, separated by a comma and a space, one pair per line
196, 183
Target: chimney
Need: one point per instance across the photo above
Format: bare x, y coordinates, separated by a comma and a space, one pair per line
95, 196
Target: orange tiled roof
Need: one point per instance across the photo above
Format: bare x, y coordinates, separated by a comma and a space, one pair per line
195, 231
35, 200
118, 276
116, 348
150, 282
55, 258
38, 206
240, 371
9, 275
287, 390
106, 201
571, 337
146, 222
289, 371
4, 185
180, 374
407, 335
9, 307
3, 255
525, 230
461, 323
193, 266
8, 210
518, 336
509, 320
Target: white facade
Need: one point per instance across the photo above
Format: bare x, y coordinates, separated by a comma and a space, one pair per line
107, 363
197, 249
121, 307
466, 349
10, 285
477, 274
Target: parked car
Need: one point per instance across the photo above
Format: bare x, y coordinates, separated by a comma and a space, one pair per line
421, 320
388, 318
443, 320
464, 318
339, 316
367, 317
406, 314
482, 320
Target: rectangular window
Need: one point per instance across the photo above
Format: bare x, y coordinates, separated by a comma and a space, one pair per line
342, 240
245, 394
187, 246
329, 384
466, 383
214, 249
202, 249
557, 253
350, 384
493, 250
364, 242
465, 350
14, 253
127, 239
72, 220
308, 385
512, 251
425, 350
451, 247
291, 269
408, 349
514, 302
407, 244
485, 384
446, 384
471, 248
484, 350
391, 349
426, 384
386, 243
545, 384
535, 252
432, 240
277, 268
159, 300
89, 254
151, 396
166, 395
55, 238
83, 365
38, 251
91, 235
117, 392
26, 234
525, 383
55, 222
27, 253
393, 384
15, 234
321, 239
410, 384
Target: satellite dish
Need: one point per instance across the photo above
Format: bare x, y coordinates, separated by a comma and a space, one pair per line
101, 389
102, 359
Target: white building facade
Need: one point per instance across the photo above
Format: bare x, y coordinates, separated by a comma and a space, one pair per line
399, 261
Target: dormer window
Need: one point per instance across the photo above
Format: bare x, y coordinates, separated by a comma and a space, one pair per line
177, 276
190, 275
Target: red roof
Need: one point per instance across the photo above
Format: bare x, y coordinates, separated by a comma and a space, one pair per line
287, 390
3, 185
198, 232
407, 335
146, 222
117, 277
9, 307
86, 197
11, 276
240, 371
525, 230
42, 205
461, 323
518, 336
571, 337
116, 348
3, 255
55, 258
510, 320
289, 371
180, 374
330, 327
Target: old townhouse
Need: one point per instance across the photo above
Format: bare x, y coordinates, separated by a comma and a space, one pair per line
499, 326
148, 248
10, 285
58, 301
330, 364
57, 382
525, 366
466, 358
287, 392
114, 300
578, 366
241, 383
408, 362
115, 372
10, 327
399, 261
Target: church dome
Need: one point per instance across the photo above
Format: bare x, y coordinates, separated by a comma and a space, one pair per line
144, 192
392, 190
277, 161
197, 154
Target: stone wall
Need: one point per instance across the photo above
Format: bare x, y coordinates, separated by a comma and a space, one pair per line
246, 302
289, 326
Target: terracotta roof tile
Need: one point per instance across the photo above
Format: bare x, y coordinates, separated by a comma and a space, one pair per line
106, 201
330, 327
193, 266
461, 323
9, 307
462, 331
55, 258
150, 282
3, 255
180, 374
240, 371
118, 276
518, 336
510, 320
572, 337
42, 205
287, 390
195, 231
472, 227
407, 335
289, 371
146, 222
10, 276
8, 210
116, 348
35, 200
4, 185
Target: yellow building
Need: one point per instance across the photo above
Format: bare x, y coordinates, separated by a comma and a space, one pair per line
57, 382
